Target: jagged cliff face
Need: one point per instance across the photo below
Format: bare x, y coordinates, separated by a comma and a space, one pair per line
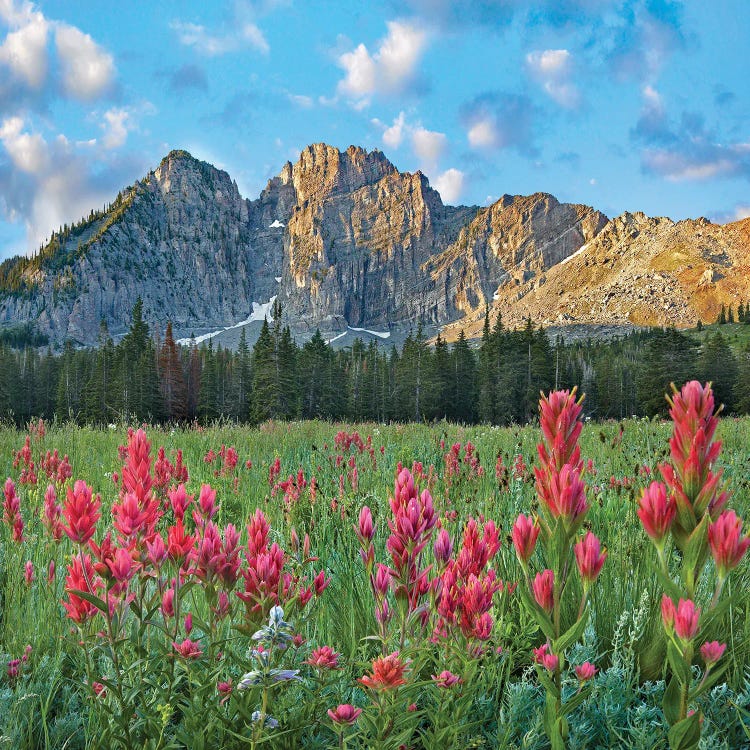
636, 271
357, 239
344, 238
515, 239
183, 241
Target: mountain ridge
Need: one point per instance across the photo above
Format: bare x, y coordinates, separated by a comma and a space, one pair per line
346, 240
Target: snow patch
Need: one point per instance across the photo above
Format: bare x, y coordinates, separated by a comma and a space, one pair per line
336, 338
379, 334
276, 224
278, 279
573, 255
260, 311
496, 296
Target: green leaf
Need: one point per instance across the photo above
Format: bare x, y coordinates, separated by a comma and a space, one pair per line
550, 715
686, 734
671, 701
669, 586
537, 613
696, 547
557, 736
576, 700
570, 636
547, 682
716, 613
561, 544
100, 604
135, 609
680, 668
711, 680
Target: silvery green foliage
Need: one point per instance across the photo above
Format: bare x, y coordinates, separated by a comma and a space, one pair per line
620, 713
628, 631
21, 717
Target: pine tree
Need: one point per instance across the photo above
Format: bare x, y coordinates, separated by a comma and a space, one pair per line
722, 319
242, 380
47, 385
667, 356
137, 380
315, 363
223, 359
70, 385
541, 373
286, 372
487, 372
171, 379
511, 352
416, 378
741, 393
718, 365
207, 410
369, 382
441, 361
99, 388
265, 384
356, 392
192, 379
28, 363
463, 394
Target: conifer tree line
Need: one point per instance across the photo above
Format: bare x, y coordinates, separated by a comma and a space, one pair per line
142, 378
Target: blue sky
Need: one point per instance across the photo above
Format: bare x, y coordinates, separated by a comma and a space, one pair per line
620, 104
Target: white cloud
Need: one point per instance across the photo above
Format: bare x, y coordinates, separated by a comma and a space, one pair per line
87, 69
301, 100
16, 14
400, 52
49, 181
483, 133
500, 120
553, 70
391, 69
212, 45
429, 145
450, 185
677, 166
550, 62
82, 69
24, 51
27, 151
742, 212
652, 98
393, 135
361, 72
55, 188
117, 123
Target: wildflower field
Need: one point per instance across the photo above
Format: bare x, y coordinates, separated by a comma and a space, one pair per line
324, 585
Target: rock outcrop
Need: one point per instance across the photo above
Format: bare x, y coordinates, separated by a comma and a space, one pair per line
345, 239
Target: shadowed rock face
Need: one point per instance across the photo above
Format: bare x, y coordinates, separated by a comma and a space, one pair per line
344, 238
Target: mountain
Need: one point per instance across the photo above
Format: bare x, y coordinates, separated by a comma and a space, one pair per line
345, 240
636, 271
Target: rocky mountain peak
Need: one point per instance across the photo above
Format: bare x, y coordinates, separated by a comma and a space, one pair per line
184, 176
323, 170
343, 238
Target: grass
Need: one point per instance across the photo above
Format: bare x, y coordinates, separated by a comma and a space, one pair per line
47, 706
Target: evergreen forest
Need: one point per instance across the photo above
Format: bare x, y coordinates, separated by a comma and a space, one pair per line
145, 377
